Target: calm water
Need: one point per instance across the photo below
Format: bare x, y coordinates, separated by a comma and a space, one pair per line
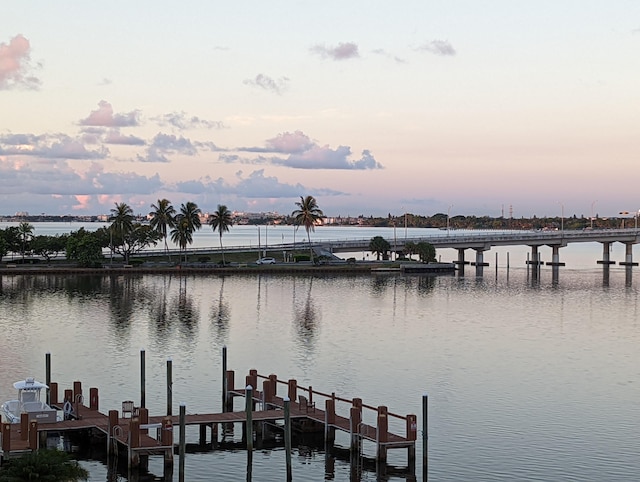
526, 380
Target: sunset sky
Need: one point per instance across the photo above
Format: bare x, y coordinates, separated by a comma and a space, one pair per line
373, 107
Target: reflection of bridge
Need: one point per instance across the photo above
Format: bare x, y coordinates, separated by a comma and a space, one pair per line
461, 240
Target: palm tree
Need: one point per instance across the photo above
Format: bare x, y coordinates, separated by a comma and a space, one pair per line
221, 220
307, 215
379, 246
186, 223
121, 219
25, 231
163, 217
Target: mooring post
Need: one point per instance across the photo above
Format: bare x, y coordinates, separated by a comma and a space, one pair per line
144, 419
382, 434
142, 378
169, 386
354, 429
249, 428
134, 442
329, 421
33, 435
293, 389
183, 439
53, 393
6, 438
230, 378
287, 436
167, 440
113, 422
412, 435
425, 436
24, 426
77, 398
94, 399
225, 387
47, 363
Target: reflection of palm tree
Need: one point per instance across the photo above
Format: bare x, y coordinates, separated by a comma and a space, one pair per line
162, 217
221, 220
25, 231
306, 317
220, 314
307, 215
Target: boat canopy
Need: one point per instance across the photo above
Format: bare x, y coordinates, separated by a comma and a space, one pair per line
29, 384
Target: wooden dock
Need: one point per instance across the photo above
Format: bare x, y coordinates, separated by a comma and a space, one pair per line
134, 431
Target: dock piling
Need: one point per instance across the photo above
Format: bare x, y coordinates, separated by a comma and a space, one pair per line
287, 436
249, 428
425, 436
183, 443
47, 363
142, 378
169, 386
225, 387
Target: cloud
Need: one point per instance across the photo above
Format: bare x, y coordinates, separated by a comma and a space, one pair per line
303, 154
15, 66
182, 121
327, 158
384, 53
267, 83
438, 47
115, 137
167, 144
59, 178
342, 51
105, 117
58, 146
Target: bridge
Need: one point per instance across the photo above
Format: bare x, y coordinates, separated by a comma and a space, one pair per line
461, 240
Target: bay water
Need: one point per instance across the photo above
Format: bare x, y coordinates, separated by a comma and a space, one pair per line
527, 379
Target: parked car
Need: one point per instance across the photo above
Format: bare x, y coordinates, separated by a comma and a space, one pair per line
266, 261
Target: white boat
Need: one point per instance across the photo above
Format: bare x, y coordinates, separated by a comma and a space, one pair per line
29, 401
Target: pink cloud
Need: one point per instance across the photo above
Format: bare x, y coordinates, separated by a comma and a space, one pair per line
15, 66
288, 142
104, 117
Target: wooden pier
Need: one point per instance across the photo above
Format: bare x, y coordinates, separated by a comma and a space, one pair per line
132, 430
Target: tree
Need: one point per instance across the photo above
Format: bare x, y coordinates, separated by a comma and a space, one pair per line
121, 220
46, 465
186, 223
85, 247
138, 238
162, 218
426, 252
308, 214
380, 246
410, 248
221, 220
25, 231
48, 246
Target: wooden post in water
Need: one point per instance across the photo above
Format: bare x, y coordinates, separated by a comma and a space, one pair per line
33, 435
142, 378
249, 429
225, 387
425, 436
329, 421
169, 386
112, 445
412, 435
77, 398
94, 399
293, 390
382, 434
53, 393
287, 436
6, 438
183, 441
24, 426
230, 378
134, 442
47, 364
167, 440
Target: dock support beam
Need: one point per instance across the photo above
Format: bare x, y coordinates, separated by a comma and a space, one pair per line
425, 437
183, 441
287, 437
249, 428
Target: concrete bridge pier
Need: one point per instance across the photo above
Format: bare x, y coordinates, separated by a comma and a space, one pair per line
461, 262
535, 256
555, 256
480, 257
606, 258
628, 258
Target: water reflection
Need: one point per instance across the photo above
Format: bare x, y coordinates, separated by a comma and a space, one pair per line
220, 317
183, 310
306, 316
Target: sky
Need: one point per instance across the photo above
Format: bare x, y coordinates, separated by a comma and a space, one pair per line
503, 107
